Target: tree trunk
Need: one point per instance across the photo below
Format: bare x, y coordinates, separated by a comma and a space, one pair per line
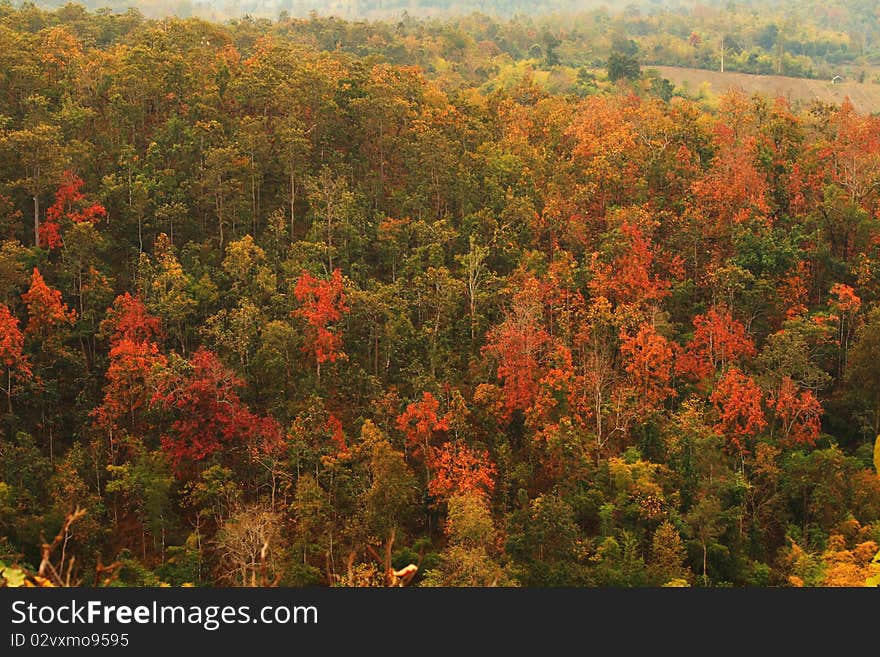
473, 316
292, 202
36, 220
705, 578
253, 196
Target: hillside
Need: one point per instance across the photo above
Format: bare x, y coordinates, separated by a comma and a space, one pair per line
313, 303
864, 96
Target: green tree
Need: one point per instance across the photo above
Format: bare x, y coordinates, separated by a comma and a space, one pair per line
468, 559
144, 485
668, 554
705, 523
387, 501
863, 370
41, 154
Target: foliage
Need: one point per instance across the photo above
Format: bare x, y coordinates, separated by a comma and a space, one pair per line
436, 302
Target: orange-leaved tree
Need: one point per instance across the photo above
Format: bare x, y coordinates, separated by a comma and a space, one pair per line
323, 304
738, 402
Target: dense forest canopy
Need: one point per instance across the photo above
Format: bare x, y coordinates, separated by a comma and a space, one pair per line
343, 303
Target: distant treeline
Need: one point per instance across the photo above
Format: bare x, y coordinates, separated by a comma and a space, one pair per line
814, 39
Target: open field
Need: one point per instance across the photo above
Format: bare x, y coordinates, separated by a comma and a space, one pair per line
864, 96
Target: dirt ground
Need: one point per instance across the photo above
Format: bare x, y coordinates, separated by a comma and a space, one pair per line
864, 96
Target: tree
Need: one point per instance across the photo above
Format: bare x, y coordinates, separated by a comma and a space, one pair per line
542, 539
13, 274
249, 547
468, 559
648, 360
128, 319
621, 66
719, 341
420, 425
40, 151
738, 402
47, 331
295, 146
460, 470
518, 344
91, 291
705, 525
732, 191
799, 413
845, 305
245, 263
130, 386
275, 361
849, 566
852, 156
145, 484
312, 513
235, 332
767, 36
863, 370
626, 151
668, 554
474, 265
877, 455
48, 315
253, 140
629, 280
206, 415
387, 501
323, 304
166, 289
797, 352
599, 398
815, 485
12, 357
551, 43
438, 296
70, 205
223, 182
331, 203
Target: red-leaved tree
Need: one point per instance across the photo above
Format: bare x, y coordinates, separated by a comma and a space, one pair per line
128, 390
208, 416
737, 399
629, 280
15, 363
135, 363
799, 413
71, 205
719, 340
129, 319
337, 435
323, 304
519, 344
421, 424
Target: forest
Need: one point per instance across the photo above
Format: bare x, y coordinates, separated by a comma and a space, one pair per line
801, 38
279, 309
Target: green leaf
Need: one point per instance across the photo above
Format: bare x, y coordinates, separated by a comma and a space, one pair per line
14, 576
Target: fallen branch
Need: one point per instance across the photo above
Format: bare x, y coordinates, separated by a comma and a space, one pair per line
46, 568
